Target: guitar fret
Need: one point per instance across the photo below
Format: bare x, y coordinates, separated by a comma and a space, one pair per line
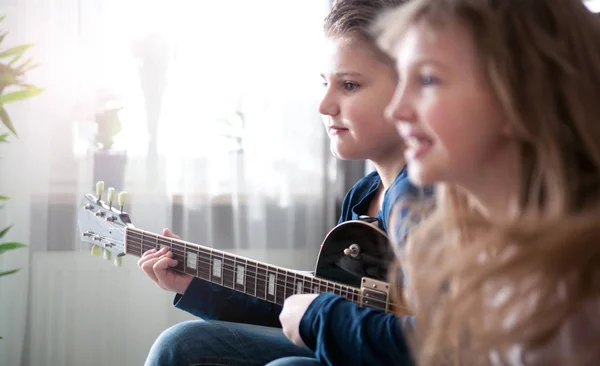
229, 271
241, 279
250, 279
308, 285
204, 265
217, 269
298, 284
281, 287
323, 287
191, 261
285, 281
210, 266
179, 255
262, 282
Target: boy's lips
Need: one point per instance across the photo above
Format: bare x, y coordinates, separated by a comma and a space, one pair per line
334, 130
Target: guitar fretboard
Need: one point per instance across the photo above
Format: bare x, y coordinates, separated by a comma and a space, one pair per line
257, 279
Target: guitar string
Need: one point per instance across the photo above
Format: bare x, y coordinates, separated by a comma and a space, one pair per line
177, 249
282, 279
281, 284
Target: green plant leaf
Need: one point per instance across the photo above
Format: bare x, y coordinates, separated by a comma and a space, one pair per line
4, 198
7, 79
26, 65
6, 120
2, 36
3, 232
16, 96
2, 18
16, 51
4, 138
9, 272
11, 246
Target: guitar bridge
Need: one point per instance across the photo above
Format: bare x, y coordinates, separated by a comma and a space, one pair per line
374, 294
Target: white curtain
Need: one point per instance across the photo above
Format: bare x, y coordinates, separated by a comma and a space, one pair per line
220, 140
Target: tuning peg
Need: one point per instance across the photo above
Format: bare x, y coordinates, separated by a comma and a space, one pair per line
106, 254
118, 261
96, 251
111, 196
121, 199
99, 189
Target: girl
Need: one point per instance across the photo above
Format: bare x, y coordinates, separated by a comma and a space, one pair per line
498, 104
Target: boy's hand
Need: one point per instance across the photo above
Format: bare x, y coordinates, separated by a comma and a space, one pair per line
156, 266
294, 308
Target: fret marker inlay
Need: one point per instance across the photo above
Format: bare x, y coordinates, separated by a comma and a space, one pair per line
192, 260
271, 284
299, 285
216, 268
239, 278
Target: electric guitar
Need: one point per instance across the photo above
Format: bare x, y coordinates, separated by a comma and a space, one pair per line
353, 260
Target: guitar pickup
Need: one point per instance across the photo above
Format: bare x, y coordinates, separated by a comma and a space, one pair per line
374, 294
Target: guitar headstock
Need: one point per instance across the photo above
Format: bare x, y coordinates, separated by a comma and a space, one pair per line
102, 223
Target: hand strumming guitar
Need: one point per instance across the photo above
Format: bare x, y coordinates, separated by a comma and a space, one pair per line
156, 266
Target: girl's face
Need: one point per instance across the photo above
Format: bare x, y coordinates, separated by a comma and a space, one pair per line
357, 89
444, 109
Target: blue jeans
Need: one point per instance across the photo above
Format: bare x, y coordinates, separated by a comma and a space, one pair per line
199, 342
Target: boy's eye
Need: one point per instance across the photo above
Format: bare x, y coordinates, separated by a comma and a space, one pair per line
350, 86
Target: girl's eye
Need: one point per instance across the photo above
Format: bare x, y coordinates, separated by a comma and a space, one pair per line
428, 80
350, 86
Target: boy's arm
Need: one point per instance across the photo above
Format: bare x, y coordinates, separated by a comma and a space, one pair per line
213, 302
342, 333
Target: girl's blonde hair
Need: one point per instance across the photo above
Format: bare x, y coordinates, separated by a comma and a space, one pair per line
479, 288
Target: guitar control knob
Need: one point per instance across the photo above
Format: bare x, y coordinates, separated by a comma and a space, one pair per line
353, 251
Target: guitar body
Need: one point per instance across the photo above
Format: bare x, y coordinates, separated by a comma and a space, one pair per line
353, 250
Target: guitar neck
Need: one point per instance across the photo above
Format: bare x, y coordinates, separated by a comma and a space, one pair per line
257, 279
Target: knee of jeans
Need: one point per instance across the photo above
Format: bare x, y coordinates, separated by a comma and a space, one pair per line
170, 347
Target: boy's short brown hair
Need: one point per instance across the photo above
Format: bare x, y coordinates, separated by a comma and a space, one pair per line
353, 18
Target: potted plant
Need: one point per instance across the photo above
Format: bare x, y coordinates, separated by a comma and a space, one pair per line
13, 88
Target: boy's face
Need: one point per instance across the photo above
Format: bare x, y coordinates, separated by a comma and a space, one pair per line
357, 88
